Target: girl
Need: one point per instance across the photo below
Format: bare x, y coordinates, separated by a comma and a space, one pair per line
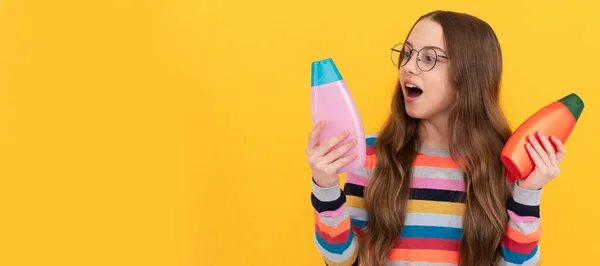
438, 193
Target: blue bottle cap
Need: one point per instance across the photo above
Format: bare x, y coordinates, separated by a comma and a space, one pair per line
323, 72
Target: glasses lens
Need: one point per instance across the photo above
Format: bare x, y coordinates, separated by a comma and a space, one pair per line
397, 54
427, 59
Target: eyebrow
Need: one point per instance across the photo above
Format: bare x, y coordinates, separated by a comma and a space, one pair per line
428, 46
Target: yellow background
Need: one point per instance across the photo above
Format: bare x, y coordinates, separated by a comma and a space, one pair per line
172, 132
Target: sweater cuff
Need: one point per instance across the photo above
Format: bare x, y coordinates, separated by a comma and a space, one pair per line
326, 194
526, 196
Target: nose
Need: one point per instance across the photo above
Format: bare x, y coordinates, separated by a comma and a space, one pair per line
411, 66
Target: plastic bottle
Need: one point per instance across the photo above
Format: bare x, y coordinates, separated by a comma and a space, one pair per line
556, 119
331, 101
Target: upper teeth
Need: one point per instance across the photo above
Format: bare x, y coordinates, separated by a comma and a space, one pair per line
410, 85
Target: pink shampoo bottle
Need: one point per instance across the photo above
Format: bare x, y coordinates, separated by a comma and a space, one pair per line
330, 100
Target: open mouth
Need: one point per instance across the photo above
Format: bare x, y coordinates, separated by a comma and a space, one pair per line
413, 91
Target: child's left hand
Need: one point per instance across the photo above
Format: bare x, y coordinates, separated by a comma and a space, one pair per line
546, 161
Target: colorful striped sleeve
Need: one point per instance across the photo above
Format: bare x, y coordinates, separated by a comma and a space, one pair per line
339, 213
523, 232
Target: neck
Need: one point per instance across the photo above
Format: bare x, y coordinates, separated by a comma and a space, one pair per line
434, 132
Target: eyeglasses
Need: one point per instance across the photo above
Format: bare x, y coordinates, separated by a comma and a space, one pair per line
426, 57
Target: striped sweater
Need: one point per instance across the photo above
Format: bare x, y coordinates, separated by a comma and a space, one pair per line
433, 225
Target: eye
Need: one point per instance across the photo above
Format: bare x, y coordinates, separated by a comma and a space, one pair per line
430, 59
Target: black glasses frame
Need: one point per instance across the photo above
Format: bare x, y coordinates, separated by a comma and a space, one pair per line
410, 57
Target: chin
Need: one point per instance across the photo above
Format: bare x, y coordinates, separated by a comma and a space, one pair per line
414, 113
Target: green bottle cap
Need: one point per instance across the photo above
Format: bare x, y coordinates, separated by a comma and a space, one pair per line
574, 104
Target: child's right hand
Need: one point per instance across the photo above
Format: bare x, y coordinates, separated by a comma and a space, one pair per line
325, 162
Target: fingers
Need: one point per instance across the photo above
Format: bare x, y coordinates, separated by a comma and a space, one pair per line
540, 151
545, 156
313, 137
548, 148
534, 155
560, 148
325, 147
335, 166
338, 152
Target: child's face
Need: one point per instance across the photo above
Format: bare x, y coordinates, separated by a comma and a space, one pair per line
434, 95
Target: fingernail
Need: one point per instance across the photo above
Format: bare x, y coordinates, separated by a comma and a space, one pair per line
346, 133
322, 122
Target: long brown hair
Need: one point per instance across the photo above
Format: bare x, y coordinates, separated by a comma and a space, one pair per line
477, 132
